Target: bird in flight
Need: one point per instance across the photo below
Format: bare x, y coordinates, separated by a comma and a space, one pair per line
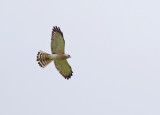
58, 54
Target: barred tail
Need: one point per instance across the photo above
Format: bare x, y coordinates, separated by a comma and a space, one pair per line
43, 59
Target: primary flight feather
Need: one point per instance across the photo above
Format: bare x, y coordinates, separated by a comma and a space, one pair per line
58, 54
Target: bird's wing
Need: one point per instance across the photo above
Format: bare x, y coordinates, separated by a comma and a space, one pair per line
57, 41
64, 68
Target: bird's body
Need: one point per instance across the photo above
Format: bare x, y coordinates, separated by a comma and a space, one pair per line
58, 55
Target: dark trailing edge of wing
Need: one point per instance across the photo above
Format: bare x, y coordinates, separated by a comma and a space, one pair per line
57, 29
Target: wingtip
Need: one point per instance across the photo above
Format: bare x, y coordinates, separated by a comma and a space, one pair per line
57, 29
68, 76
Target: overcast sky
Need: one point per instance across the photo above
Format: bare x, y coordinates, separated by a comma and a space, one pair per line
115, 50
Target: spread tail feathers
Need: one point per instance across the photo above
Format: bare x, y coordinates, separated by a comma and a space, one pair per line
43, 59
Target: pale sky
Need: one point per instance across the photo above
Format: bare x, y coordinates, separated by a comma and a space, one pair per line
115, 50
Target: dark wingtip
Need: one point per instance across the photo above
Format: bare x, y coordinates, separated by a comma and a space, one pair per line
69, 76
57, 29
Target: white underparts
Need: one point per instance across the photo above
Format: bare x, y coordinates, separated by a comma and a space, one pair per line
53, 56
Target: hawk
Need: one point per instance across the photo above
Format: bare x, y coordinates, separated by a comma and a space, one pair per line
58, 54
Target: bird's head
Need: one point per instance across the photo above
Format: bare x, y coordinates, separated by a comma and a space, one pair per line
68, 56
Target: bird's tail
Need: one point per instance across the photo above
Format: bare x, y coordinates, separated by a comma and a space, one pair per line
43, 59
